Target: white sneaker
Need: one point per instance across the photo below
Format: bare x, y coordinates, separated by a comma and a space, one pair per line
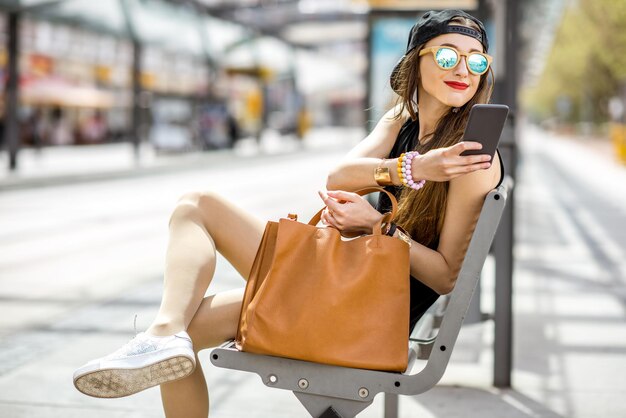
145, 361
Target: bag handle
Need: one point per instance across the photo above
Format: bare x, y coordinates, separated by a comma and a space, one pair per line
362, 192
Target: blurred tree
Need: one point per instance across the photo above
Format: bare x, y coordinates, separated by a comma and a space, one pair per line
609, 17
586, 66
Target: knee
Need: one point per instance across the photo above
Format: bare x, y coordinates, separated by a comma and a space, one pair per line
192, 205
199, 199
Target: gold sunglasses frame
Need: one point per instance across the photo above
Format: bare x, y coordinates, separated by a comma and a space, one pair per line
434, 49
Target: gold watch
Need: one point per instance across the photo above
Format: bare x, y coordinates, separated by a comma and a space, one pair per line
382, 175
402, 234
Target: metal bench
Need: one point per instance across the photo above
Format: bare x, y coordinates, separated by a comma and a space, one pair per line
337, 392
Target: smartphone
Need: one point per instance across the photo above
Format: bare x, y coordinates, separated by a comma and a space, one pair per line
485, 125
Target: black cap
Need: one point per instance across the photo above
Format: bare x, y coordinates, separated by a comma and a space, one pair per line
433, 24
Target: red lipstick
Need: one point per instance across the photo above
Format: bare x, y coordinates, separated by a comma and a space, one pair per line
456, 85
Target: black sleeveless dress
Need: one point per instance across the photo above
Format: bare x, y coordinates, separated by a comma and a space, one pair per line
422, 296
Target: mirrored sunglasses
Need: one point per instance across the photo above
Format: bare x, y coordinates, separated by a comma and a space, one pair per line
447, 57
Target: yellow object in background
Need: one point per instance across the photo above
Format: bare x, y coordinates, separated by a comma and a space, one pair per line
618, 137
148, 80
254, 104
304, 123
103, 73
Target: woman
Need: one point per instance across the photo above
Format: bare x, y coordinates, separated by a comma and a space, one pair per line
440, 218
435, 98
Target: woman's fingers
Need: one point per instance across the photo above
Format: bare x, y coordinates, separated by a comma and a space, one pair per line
343, 196
328, 219
461, 147
469, 163
327, 199
333, 214
333, 206
444, 164
469, 168
458, 148
475, 159
459, 169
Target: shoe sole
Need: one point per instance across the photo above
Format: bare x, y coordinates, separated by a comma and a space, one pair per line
117, 383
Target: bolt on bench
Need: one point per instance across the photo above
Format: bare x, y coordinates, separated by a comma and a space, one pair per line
338, 392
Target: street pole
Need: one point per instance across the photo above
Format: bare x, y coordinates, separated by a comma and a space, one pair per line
136, 121
11, 114
135, 129
503, 244
474, 312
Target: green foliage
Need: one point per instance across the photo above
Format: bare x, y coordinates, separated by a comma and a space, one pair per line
587, 62
609, 19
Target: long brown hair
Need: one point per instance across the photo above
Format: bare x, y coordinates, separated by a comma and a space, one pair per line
421, 212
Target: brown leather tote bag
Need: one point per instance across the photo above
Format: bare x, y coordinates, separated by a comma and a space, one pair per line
316, 296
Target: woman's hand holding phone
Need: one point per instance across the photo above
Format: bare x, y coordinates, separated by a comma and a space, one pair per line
444, 164
475, 152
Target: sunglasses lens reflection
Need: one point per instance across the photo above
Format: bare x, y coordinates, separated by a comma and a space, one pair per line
477, 63
446, 58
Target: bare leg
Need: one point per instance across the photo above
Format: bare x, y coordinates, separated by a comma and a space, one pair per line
188, 397
201, 224
214, 323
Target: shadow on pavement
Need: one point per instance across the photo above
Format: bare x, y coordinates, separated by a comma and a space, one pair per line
456, 401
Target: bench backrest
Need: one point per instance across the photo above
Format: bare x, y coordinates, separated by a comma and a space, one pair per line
439, 348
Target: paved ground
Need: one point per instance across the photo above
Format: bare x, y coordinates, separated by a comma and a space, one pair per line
80, 256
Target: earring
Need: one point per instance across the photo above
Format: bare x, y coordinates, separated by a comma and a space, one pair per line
455, 109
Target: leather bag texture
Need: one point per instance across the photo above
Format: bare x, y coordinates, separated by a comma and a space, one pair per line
313, 295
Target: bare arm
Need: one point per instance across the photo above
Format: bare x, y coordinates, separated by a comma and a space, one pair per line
356, 171
466, 194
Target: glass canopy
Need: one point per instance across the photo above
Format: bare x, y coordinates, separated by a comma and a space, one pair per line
173, 27
182, 28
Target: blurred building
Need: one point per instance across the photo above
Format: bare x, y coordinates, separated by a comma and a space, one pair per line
203, 77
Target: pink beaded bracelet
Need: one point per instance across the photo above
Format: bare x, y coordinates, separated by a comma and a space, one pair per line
405, 175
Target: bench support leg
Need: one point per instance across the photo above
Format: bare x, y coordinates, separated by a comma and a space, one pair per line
330, 413
328, 407
391, 405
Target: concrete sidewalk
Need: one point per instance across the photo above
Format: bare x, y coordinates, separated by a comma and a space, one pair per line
75, 164
569, 305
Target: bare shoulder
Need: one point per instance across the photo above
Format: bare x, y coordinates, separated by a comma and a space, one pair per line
466, 195
392, 120
379, 142
397, 113
478, 183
